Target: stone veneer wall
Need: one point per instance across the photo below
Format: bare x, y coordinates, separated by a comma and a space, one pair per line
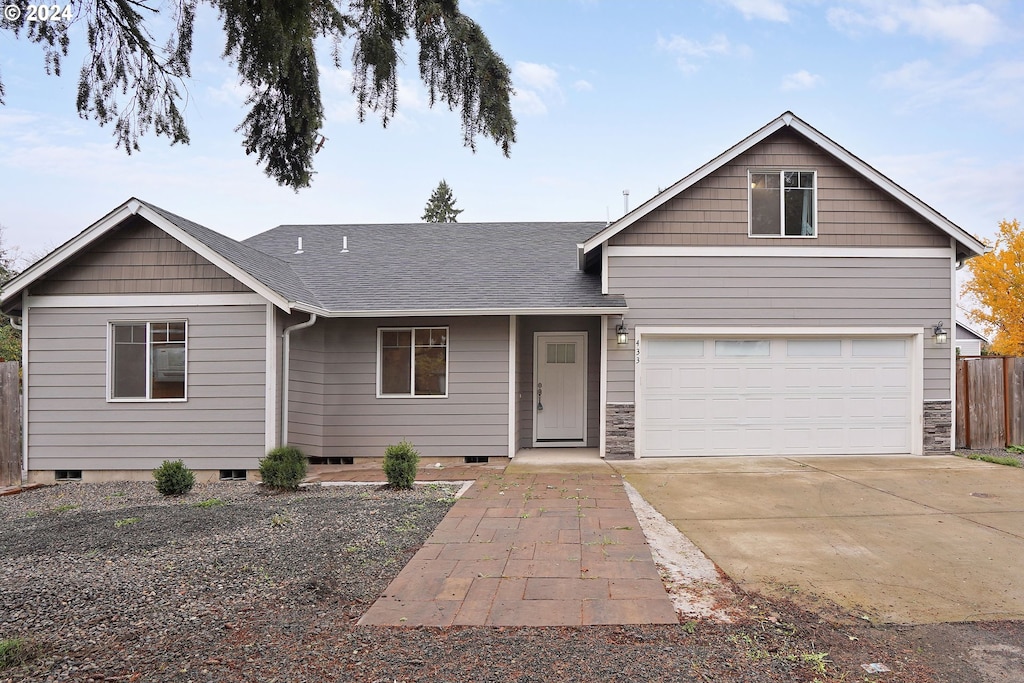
620, 440
938, 427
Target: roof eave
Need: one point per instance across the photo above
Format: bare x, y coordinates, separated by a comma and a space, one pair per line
461, 312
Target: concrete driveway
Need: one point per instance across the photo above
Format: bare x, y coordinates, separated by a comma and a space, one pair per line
898, 539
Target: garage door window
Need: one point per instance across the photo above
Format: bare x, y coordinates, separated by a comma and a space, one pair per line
675, 348
814, 348
879, 348
727, 348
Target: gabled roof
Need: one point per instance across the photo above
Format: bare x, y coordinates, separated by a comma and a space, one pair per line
971, 245
410, 269
971, 328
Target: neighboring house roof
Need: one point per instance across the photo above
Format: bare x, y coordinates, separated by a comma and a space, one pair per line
970, 245
435, 267
413, 269
969, 330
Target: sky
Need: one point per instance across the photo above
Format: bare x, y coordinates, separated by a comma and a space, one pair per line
610, 96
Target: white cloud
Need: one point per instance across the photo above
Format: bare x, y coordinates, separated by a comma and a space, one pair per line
689, 53
801, 80
997, 89
582, 86
769, 10
536, 85
229, 92
968, 25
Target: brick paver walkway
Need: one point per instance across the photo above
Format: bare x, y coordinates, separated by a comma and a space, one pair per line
543, 549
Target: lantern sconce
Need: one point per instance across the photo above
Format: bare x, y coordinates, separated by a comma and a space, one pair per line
621, 333
941, 335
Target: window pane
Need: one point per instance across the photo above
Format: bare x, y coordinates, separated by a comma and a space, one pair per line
879, 348
128, 375
430, 336
675, 348
814, 348
736, 347
176, 331
168, 368
430, 371
764, 212
396, 362
800, 212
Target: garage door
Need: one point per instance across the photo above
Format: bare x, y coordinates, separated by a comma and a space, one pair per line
774, 396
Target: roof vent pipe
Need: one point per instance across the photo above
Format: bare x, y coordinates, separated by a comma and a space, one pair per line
285, 362
298, 249
344, 244
625, 202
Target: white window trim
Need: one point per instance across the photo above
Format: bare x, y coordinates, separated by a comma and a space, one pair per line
412, 368
149, 360
782, 204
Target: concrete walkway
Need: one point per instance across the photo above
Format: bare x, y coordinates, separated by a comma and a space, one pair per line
902, 539
554, 547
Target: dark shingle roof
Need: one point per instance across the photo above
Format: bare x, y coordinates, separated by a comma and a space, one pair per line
440, 266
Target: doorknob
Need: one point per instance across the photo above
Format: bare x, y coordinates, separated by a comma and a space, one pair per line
540, 390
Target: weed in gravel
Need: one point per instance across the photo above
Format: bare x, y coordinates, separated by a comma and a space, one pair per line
209, 503
126, 522
997, 459
690, 627
280, 519
17, 651
817, 660
66, 507
32, 514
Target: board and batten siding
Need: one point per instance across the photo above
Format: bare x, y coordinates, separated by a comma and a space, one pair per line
73, 425
337, 359
138, 258
852, 211
790, 291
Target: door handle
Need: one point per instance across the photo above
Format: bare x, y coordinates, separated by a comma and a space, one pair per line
540, 390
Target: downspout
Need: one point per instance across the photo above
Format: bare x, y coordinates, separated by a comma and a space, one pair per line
285, 361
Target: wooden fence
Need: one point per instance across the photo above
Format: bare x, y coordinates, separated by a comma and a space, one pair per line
989, 401
10, 424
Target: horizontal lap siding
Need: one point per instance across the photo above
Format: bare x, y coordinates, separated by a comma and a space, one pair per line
73, 426
306, 390
782, 292
472, 420
852, 211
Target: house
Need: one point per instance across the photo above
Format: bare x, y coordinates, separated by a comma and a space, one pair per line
781, 299
969, 339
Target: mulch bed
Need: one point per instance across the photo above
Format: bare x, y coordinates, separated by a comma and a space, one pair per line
111, 582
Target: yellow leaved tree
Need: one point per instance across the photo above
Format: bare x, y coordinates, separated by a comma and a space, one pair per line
997, 286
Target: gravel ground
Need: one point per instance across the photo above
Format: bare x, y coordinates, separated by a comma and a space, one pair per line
111, 582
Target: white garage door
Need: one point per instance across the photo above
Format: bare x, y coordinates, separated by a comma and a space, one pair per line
774, 396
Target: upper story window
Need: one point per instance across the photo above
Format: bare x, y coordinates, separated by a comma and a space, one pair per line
147, 360
412, 362
783, 204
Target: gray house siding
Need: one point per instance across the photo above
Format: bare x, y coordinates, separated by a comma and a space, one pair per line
852, 211
73, 425
338, 357
525, 391
138, 258
780, 292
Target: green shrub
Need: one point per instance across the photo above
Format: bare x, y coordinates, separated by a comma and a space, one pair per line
173, 478
284, 468
400, 461
17, 651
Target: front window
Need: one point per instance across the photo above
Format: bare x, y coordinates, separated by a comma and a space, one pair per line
413, 361
782, 204
147, 360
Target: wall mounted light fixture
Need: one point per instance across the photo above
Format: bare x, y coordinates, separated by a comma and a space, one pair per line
621, 333
941, 335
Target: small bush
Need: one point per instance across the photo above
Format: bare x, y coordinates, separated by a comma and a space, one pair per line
400, 461
173, 478
284, 468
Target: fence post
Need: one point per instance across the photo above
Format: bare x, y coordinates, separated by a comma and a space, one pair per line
10, 425
967, 404
1006, 401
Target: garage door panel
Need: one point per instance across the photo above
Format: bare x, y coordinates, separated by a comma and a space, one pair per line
775, 396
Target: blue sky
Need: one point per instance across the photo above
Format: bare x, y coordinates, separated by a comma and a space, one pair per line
610, 96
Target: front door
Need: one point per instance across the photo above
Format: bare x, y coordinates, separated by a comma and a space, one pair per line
560, 387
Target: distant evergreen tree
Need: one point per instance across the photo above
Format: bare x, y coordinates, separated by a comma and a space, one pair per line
441, 206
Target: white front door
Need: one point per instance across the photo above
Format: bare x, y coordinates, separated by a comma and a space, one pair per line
560, 386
